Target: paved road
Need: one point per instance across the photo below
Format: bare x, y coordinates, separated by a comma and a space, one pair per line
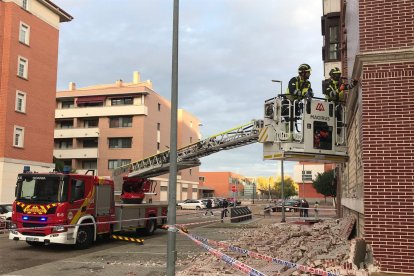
114, 257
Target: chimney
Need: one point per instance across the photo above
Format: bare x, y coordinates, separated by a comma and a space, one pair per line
136, 77
72, 86
118, 83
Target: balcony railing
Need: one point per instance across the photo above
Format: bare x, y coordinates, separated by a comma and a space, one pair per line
76, 132
100, 111
76, 153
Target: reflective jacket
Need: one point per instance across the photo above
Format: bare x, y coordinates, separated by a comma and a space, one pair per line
298, 88
334, 90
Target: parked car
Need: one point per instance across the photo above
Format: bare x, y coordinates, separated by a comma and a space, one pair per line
195, 204
291, 205
215, 202
6, 213
231, 201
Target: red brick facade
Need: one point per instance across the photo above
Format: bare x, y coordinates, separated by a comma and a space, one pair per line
40, 86
388, 158
386, 25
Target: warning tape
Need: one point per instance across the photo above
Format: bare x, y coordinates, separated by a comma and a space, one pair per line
255, 255
128, 239
248, 270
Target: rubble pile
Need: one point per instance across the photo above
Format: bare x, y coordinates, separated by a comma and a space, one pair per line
324, 245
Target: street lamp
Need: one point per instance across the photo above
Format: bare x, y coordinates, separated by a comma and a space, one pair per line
279, 81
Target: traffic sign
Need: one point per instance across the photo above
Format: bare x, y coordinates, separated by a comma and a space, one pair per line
234, 188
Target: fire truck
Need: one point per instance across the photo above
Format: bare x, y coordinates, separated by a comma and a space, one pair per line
75, 209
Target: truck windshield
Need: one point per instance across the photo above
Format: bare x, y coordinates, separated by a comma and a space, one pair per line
42, 188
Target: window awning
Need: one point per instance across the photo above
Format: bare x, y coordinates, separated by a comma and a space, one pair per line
91, 99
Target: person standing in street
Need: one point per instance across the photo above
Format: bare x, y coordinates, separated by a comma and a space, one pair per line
316, 206
209, 205
305, 206
224, 211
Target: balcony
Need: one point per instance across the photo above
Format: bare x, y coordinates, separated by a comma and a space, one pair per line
76, 132
101, 111
75, 153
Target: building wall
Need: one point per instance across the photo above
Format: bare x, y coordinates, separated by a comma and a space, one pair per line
388, 131
41, 53
150, 131
221, 183
377, 180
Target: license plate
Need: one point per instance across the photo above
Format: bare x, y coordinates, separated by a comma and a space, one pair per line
32, 239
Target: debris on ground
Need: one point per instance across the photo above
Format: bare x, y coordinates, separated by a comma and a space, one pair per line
323, 245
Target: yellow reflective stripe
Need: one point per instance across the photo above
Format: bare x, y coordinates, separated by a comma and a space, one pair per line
262, 132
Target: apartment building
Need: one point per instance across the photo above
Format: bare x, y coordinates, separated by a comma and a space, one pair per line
376, 47
105, 126
29, 36
304, 173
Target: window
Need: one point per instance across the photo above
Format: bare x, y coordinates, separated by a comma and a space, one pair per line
201, 179
77, 190
68, 104
24, 33
185, 190
158, 146
90, 123
20, 102
116, 143
122, 101
89, 164
25, 4
22, 67
191, 140
164, 188
64, 144
158, 126
195, 190
18, 135
306, 175
191, 171
66, 124
159, 107
115, 163
333, 42
90, 143
118, 122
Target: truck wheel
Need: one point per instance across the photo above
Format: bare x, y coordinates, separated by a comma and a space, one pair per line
35, 244
84, 237
150, 227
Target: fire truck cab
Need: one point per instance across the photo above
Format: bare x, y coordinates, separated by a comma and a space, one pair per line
303, 130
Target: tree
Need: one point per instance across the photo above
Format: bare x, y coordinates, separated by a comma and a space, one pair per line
325, 183
58, 164
290, 187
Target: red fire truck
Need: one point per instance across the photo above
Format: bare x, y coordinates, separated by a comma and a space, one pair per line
74, 209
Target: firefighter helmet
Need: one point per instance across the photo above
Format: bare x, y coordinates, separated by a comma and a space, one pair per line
335, 73
304, 68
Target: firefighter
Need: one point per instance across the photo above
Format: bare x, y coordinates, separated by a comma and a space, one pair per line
334, 87
299, 87
334, 90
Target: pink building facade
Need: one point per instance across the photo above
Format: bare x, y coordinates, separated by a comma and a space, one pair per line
106, 126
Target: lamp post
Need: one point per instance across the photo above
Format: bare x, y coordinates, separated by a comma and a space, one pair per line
303, 180
279, 81
254, 190
283, 193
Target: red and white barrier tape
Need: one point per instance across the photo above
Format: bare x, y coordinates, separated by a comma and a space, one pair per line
255, 255
248, 270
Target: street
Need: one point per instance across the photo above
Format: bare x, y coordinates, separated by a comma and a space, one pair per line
119, 257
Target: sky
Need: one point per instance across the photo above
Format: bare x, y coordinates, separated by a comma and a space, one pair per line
229, 51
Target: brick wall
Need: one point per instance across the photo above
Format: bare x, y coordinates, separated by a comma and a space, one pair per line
386, 24
388, 158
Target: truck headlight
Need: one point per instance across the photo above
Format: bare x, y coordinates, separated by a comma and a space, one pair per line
12, 225
58, 228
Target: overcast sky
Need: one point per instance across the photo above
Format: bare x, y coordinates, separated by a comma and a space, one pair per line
229, 51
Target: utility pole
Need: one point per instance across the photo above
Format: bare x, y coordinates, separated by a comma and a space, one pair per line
172, 181
283, 193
